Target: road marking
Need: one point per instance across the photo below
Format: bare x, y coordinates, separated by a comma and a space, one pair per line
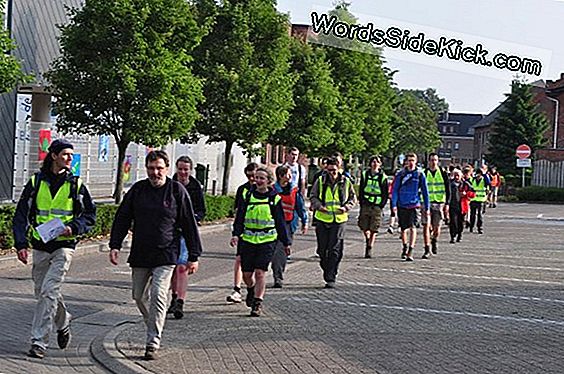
463, 275
502, 265
473, 293
508, 256
433, 311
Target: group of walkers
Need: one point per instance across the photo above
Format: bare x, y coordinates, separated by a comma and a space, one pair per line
163, 215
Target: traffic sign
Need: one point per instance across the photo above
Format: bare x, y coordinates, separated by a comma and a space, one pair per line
523, 151
523, 162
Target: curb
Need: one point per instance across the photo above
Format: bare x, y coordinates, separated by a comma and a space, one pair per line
10, 261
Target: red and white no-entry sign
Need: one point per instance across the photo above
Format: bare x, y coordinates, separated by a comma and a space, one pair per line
523, 151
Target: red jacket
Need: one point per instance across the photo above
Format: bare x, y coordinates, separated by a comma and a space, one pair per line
467, 193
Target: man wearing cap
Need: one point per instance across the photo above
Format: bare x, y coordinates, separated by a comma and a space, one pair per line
53, 195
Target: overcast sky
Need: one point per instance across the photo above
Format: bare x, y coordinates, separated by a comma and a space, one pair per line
525, 28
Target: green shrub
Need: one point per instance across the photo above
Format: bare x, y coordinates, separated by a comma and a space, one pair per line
537, 193
6, 216
218, 207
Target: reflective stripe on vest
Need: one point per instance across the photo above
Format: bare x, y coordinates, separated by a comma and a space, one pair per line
332, 203
480, 189
259, 225
48, 207
372, 192
436, 186
289, 204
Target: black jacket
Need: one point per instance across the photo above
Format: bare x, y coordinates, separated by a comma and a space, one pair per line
82, 222
196, 193
159, 216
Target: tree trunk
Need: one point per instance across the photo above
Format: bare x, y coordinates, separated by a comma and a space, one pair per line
227, 167
122, 148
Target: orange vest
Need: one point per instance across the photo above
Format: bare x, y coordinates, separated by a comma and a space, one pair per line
495, 180
288, 204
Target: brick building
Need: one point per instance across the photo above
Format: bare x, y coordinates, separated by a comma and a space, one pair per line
457, 138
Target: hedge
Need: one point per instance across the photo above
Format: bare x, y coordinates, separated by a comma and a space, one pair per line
218, 207
545, 194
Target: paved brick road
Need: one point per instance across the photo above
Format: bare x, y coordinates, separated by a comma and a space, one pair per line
493, 303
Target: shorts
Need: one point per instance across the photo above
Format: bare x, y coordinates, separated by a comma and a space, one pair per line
436, 214
494, 191
407, 218
255, 256
183, 255
370, 218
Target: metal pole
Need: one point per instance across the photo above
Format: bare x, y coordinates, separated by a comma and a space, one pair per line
523, 178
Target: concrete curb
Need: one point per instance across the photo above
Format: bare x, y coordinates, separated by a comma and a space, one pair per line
91, 247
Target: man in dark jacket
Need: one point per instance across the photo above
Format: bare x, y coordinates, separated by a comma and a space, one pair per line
52, 197
160, 210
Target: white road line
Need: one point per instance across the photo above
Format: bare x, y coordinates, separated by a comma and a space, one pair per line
502, 265
462, 275
473, 293
434, 311
507, 256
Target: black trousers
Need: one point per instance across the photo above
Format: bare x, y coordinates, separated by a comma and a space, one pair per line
456, 222
476, 210
330, 244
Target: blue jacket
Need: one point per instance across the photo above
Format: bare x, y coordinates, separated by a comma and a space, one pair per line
406, 190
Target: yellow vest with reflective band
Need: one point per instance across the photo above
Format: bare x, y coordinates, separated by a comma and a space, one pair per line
332, 203
480, 189
49, 207
259, 225
436, 186
372, 192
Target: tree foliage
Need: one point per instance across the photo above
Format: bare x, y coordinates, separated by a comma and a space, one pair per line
519, 122
437, 104
244, 61
415, 127
366, 95
315, 114
11, 73
124, 71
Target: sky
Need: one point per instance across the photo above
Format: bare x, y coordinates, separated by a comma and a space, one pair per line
524, 28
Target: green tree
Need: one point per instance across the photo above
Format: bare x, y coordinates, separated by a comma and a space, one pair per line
11, 73
519, 122
315, 114
125, 71
415, 127
437, 104
366, 94
244, 61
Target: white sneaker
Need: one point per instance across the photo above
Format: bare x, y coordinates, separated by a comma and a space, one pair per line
391, 230
235, 297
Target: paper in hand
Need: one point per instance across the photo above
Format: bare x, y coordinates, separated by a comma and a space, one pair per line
50, 230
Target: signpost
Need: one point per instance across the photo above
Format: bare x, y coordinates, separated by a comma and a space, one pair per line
523, 152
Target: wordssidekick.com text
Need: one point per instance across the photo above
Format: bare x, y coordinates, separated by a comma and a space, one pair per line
398, 38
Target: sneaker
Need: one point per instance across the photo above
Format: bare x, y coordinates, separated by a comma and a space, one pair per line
178, 309
368, 252
471, 229
403, 253
426, 255
150, 353
451, 240
390, 230
480, 231
250, 296
458, 238
63, 337
256, 310
235, 297
434, 247
409, 255
36, 351
330, 285
277, 284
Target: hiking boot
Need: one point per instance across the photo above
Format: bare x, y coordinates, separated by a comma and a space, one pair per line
434, 246
150, 353
458, 238
250, 296
178, 309
36, 351
404, 252
235, 297
170, 309
64, 337
277, 284
426, 255
256, 310
368, 252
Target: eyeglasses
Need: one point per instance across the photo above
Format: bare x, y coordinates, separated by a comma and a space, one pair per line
332, 170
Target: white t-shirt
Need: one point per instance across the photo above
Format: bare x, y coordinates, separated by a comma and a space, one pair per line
295, 174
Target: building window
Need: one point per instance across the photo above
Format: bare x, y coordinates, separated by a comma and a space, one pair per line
281, 154
273, 154
449, 145
444, 129
456, 146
